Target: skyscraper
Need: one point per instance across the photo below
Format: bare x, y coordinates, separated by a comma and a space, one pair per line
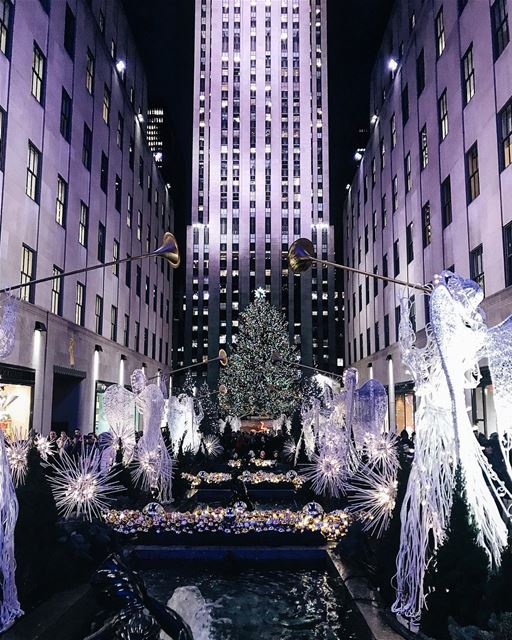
260, 173
155, 134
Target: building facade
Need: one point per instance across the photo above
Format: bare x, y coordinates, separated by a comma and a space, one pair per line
260, 173
78, 187
433, 188
155, 134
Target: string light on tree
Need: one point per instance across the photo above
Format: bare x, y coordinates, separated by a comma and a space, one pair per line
256, 384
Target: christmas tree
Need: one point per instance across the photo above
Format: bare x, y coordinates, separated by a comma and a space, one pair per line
458, 577
210, 421
188, 385
257, 384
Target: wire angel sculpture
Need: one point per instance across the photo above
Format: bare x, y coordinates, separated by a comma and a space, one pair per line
9, 604
442, 369
8, 317
184, 415
119, 408
153, 462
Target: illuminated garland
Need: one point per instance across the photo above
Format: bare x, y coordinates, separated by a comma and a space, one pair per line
257, 462
231, 520
257, 477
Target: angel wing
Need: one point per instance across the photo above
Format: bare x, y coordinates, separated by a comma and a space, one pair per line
498, 348
370, 408
8, 315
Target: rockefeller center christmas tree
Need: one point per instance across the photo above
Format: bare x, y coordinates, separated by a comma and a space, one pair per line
257, 384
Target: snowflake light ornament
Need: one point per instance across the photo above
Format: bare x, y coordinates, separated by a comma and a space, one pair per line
327, 474
17, 455
212, 446
289, 449
44, 448
373, 496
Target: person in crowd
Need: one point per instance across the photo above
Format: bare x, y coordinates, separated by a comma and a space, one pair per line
52, 439
77, 443
89, 443
63, 443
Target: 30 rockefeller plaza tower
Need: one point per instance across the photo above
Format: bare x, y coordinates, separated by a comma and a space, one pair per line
260, 174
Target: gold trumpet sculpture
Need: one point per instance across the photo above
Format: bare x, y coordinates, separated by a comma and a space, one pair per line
301, 256
222, 358
168, 251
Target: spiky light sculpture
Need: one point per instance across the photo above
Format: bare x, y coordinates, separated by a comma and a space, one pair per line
373, 496
17, 455
212, 446
80, 488
381, 451
326, 473
44, 448
289, 449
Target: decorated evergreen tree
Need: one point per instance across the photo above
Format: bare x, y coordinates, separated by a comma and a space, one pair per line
188, 385
210, 421
459, 574
257, 384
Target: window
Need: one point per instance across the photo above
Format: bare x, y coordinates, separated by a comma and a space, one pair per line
128, 272
6, 11
89, 72
472, 172
442, 110
476, 266
507, 253
396, 258
119, 193
38, 74
61, 201
28, 272
146, 291
56, 299
136, 341
423, 147
393, 131
115, 257
397, 322
386, 330
382, 148
120, 131
104, 172
141, 171
131, 153
505, 134
129, 211
101, 242
113, 323
139, 224
500, 32
446, 202
468, 73
410, 244
138, 279
440, 37
146, 340
32, 186
87, 147
3, 128
126, 330
405, 105
420, 72
408, 173
377, 337
69, 32
383, 211
98, 313
426, 224
385, 269
80, 304
394, 193
65, 115
106, 104
83, 224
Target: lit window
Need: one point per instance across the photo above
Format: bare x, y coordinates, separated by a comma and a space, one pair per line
443, 115
32, 186
469, 75
38, 74
28, 272
472, 172
56, 299
80, 304
61, 201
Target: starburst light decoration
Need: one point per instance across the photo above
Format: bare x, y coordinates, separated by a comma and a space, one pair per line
381, 451
212, 446
289, 449
326, 473
44, 448
373, 497
17, 455
80, 488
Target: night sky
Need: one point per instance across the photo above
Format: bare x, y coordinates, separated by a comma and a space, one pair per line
165, 35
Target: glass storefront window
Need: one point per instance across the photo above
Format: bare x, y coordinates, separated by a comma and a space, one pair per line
404, 411
15, 409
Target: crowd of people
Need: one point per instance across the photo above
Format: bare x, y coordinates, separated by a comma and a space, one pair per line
246, 445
